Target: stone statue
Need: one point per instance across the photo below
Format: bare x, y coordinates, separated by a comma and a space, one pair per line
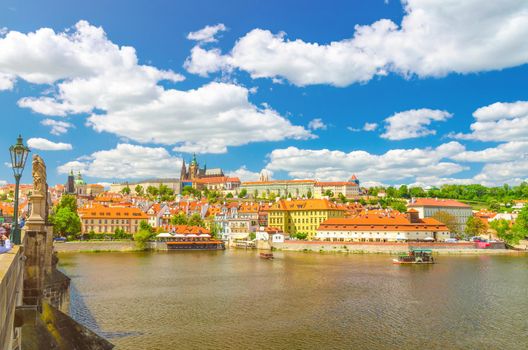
39, 175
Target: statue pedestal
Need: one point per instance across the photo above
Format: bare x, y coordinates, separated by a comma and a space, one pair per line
36, 221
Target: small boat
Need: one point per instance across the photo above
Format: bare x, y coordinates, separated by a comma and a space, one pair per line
416, 256
268, 256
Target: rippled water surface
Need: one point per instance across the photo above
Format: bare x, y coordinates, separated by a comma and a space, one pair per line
234, 300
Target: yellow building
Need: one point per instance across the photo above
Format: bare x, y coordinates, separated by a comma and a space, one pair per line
302, 215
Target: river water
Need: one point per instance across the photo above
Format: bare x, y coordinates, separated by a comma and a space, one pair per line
234, 300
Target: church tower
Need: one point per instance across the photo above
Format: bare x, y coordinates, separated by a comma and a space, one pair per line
183, 174
193, 168
70, 185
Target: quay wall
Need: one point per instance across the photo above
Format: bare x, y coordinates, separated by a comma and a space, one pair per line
390, 247
11, 292
95, 246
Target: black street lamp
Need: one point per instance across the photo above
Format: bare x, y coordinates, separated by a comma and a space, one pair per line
19, 154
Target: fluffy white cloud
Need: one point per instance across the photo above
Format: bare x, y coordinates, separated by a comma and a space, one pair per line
93, 75
58, 127
396, 164
207, 119
499, 122
126, 161
317, 124
244, 174
434, 39
203, 61
84, 55
505, 152
207, 34
47, 145
412, 123
497, 174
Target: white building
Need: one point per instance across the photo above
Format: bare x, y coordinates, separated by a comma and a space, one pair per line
428, 207
383, 228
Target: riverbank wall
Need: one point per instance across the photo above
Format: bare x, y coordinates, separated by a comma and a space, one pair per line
95, 246
391, 247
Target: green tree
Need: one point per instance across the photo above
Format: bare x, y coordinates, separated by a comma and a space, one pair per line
126, 190
342, 197
475, 226
139, 190
242, 193
447, 219
399, 206
494, 205
503, 230
142, 237
196, 220
179, 219
252, 236
329, 193
68, 201
229, 195
309, 194
143, 225
153, 191
272, 196
255, 194
66, 222
520, 227
301, 235
403, 192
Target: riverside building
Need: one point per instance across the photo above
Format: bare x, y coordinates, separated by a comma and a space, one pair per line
383, 227
428, 207
293, 216
100, 219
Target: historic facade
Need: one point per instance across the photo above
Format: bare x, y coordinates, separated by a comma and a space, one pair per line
194, 172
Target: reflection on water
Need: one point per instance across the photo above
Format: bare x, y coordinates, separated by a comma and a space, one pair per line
234, 300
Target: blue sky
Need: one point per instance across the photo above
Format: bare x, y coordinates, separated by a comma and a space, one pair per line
419, 92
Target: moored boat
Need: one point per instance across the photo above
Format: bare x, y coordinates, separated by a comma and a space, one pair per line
416, 256
268, 256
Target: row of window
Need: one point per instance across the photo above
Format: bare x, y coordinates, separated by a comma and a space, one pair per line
106, 221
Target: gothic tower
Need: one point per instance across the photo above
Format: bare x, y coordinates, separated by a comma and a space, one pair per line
193, 168
183, 174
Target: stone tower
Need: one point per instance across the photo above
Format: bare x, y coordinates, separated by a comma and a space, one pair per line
193, 168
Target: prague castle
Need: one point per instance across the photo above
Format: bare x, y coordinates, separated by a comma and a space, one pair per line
194, 172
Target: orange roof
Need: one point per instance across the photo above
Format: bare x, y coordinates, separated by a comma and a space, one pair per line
382, 223
187, 229
102, 212
432, 202
304, 204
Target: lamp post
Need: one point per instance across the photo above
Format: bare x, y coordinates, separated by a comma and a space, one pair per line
19, 154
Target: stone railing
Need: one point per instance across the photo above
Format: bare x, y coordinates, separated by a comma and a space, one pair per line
11, 288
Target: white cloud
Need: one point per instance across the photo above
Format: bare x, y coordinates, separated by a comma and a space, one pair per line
57, 127
47, 145
499, 122
244, 174
93, 75
505, 152
90, 74
396, 164
3, 31
317, 124
433, 39
370, 126
412, 123
207, 119
203, 61
126, 161
207, 34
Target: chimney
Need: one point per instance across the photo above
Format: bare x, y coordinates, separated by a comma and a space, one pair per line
413, 216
